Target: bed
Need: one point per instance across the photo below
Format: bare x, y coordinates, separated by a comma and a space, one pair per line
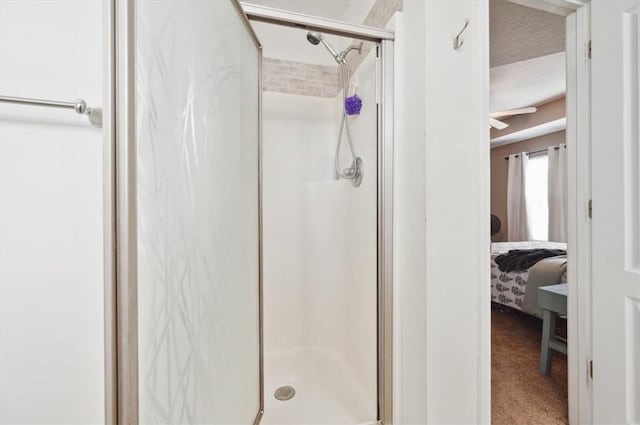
519, 289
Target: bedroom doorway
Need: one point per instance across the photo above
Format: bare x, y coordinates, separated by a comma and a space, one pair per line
529, 201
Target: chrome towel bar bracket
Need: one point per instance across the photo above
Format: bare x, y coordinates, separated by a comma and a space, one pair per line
93, 114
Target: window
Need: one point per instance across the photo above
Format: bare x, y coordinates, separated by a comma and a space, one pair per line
536, 196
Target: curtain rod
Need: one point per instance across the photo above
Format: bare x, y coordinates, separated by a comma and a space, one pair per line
536, 152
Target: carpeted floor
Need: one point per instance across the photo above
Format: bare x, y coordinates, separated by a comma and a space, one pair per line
520, 394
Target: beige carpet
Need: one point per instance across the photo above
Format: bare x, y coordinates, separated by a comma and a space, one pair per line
520, 394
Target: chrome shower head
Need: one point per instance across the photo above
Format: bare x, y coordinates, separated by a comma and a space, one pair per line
316, 38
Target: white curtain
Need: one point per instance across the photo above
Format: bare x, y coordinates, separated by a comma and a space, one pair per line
517, 222
558, 193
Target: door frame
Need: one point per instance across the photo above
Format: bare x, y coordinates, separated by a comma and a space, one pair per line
578, 217
108, 143
578, 138
385, 148
120, 240
256, 41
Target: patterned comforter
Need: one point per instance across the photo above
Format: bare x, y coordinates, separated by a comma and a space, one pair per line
509, 288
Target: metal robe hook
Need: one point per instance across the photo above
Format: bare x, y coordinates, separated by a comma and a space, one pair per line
458, 42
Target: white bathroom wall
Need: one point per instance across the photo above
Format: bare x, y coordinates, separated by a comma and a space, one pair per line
296, 156
308, 250
51, 215
318, 259
409, 288
441, 308
457, 199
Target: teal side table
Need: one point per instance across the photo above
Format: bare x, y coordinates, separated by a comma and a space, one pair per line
552, 300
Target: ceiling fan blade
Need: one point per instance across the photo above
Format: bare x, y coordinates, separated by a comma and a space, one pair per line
497, 124
511, 112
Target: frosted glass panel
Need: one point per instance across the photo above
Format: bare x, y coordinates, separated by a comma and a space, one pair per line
197, 131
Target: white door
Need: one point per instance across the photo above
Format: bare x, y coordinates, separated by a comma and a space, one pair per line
616, 211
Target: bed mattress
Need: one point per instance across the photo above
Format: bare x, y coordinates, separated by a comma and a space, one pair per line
509, 288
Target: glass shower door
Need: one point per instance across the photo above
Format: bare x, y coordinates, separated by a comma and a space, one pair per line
197, 77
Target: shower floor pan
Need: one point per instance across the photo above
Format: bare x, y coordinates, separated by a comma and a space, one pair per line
326, 391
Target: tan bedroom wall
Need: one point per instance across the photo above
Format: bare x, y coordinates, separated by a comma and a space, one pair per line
500, 168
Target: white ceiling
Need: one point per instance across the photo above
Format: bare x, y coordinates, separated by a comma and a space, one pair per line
531, 132
528, 83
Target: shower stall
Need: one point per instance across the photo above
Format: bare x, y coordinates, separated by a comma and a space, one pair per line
252, 216
319, 245
326, 215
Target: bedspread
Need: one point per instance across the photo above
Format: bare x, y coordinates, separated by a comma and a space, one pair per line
514, 289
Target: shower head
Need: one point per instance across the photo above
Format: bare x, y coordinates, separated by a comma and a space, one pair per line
316, 38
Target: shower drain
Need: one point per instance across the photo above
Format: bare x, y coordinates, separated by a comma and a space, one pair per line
285, 393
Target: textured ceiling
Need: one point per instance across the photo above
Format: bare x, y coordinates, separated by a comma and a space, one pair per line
527, 58
519, 33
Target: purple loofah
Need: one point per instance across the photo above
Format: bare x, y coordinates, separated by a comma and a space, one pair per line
353, 104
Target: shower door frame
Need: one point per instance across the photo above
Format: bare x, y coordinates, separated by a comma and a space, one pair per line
385, 145
120, 213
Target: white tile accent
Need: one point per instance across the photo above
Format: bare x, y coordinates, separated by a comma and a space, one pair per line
299, 78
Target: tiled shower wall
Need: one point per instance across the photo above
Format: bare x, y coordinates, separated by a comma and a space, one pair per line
299, 78
291, 77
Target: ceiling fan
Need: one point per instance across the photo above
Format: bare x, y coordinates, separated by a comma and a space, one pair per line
500, 125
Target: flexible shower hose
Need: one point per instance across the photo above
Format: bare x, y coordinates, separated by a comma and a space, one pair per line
353, 171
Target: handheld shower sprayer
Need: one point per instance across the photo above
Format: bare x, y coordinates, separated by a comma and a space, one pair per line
354, 171
316, 38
